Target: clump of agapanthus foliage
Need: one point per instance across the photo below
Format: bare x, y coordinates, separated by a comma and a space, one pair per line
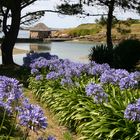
92, 99
15, 110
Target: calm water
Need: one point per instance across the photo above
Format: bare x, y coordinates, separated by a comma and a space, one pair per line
75, 51
22, 34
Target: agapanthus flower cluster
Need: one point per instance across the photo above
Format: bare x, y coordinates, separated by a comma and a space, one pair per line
98, 69
34, 71
74, 69
39, 63
51, 138
55, 64
108, 77
14, 103
10, 93
97, 92
120, 77
39, 77
132, 111
66, 70
32, 117
66, 81
101, 97
113, 76
52, 75
30, 58
136, 75
128, 82
93, 89
58, 68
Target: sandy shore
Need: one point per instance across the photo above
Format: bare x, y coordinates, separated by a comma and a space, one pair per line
18, 51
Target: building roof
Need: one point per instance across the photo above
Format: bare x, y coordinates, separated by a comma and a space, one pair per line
40, 27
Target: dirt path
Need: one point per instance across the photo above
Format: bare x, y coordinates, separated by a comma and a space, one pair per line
53, 129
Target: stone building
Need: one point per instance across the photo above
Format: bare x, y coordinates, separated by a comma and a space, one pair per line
40, 31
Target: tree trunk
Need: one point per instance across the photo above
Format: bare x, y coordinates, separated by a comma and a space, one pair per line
11, 36
109, 25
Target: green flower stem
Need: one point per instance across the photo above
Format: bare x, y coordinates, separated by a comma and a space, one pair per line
3, 119
12, 126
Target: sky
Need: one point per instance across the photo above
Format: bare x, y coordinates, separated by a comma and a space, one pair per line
54, 20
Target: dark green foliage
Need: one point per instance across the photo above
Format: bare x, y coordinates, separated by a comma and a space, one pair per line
127, 54
82, 32
103, 21
21, 73
6, 122
70, 9
123, 31
8, 128
101, 54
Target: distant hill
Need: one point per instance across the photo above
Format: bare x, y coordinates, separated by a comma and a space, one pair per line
96, 32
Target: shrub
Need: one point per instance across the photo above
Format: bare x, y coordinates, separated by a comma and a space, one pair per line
82, 32
92, 100
127, 54
101, 54
124, 56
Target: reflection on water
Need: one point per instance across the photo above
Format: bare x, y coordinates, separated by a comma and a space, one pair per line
75, 51
40, 47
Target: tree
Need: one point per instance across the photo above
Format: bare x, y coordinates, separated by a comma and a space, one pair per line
110, 5
12, 9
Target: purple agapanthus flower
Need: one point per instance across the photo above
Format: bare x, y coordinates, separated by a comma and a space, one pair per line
128, 82
52, 75
132, 111
108, 77
33, 56
10, 93
113, 76
66, 81
39, 63
121, 73
98, 69
101, 97
34, 71
135, 75
49, 138
32, 116
93, 89
39, 77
